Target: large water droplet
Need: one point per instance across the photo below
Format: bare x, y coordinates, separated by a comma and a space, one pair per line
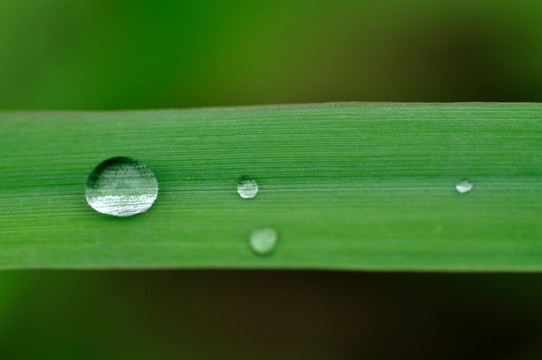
247, 188
122, 187
263, 240
464, 186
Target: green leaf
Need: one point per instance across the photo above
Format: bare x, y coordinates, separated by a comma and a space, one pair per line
345, 186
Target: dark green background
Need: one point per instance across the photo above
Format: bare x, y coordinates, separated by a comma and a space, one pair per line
101, 55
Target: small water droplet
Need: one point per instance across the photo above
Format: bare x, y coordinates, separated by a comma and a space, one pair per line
263, 240
121, 187
247, 188
464, 186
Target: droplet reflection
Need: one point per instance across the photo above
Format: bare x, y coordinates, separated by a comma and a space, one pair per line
121, 187
464, 186
247, 188
263, 240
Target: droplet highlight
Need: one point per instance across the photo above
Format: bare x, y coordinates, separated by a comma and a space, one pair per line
263, 240
121, 187
247, 188
464, 186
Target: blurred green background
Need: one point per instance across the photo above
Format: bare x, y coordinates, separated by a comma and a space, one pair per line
142, 54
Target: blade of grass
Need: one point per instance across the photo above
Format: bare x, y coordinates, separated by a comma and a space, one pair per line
346, 186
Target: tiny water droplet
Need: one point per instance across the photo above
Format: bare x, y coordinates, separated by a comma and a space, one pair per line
464, 186
121, 187
263, 240
247, 188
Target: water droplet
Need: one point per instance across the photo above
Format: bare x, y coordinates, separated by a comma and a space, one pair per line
247, 188
263, 240
464, 186
121, 187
